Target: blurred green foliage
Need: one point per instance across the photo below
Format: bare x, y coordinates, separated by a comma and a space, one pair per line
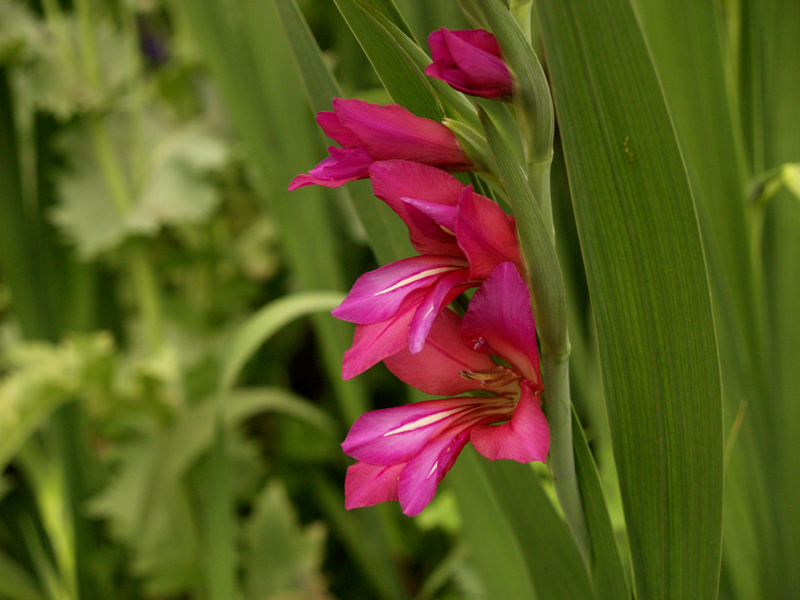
170, 401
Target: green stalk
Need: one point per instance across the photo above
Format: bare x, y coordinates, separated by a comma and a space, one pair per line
543, 273
534, 108
555, 371
144, 280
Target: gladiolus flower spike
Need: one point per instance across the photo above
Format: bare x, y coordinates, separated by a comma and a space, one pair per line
371, 132
469, 61
461, 237
402, 453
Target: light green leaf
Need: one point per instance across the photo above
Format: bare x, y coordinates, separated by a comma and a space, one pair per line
488, 531
243, 403
281, 558
608, 578
553, 559
42, 378
646, 275
176, 189
770, 110
15, 582
266, 322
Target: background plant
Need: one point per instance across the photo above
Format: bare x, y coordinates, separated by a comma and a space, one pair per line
171, 402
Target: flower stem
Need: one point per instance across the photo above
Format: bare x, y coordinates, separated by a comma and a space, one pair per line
555, 372
121, 192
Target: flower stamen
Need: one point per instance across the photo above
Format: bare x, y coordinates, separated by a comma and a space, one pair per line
492, 378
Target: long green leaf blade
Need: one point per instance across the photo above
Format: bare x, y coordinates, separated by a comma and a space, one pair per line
646, 275
400, 79
608, 578
553, 559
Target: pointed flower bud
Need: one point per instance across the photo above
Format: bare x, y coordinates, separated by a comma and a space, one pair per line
469, 61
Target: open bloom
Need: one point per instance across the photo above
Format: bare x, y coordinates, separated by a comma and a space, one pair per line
460, 235
370, 132
402, 453
469, 61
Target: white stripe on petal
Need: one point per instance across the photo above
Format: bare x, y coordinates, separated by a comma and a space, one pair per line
424, 421
433, 469
421, 275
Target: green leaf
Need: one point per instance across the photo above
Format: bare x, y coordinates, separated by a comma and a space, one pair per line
252, 63
608, 578
44, 377
266, 322
281, 558
553, 559
363, 538
771, 89
489, 533
645, 268
242, 403
15, 582
400, 79
417, 61
176, 188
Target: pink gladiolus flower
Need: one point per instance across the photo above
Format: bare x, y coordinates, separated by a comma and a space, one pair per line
469, 61
371, 132
402, 453
461, 237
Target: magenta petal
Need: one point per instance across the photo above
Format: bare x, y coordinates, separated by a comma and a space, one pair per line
377, 295
336, 131
303, 180
433, 213
470, 61
393, 180
343, 165
479, 38
525, 438
374, 342
485, 72
394, 435
445, 291
499, 321
437, 236
434, 369
391, 131
367, 485
421, 476
486, 234
437, 44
